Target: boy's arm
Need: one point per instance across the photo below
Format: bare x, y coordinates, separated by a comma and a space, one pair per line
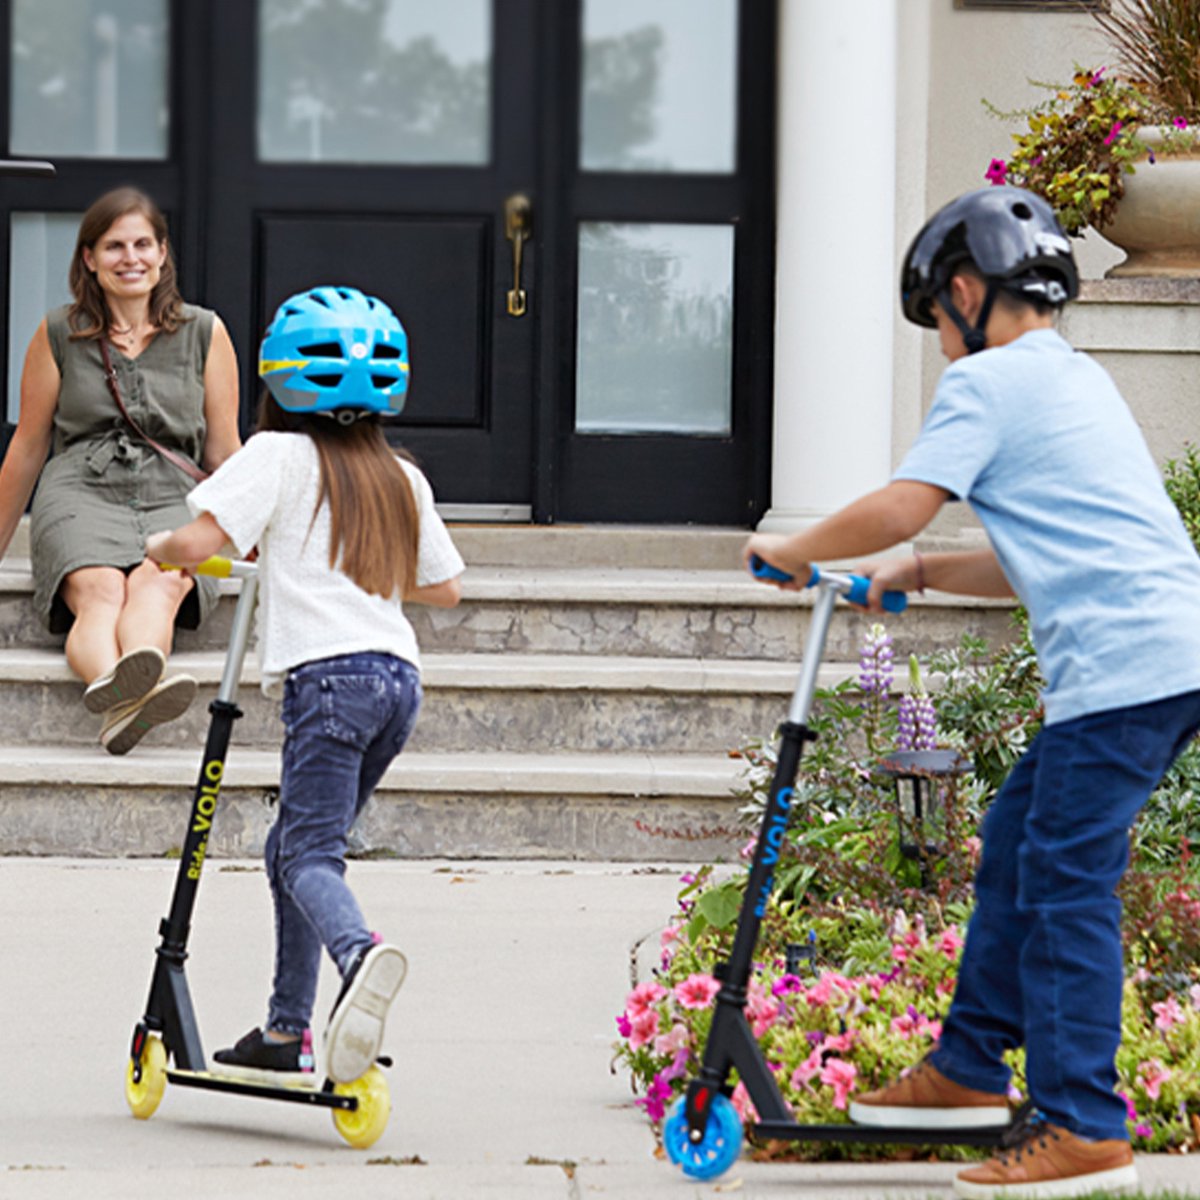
188, 545
872, 523
969, 573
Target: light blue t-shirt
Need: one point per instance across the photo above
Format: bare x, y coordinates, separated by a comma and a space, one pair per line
1036, 437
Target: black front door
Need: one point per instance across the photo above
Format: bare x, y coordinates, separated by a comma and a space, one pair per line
567, 202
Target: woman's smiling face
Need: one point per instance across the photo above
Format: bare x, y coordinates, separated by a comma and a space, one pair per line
127, 258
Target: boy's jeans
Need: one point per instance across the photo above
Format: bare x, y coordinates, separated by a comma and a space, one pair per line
345, 718
1042, 966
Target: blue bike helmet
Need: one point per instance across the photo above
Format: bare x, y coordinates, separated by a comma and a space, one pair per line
334, 351
1011, 236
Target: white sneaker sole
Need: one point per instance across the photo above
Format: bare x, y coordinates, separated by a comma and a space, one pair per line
134, 674
1120, 1180
355, 1031
908, 1117
166, 702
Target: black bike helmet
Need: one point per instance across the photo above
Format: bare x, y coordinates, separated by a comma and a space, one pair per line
1010, 235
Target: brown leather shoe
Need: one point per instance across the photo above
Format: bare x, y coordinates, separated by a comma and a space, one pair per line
1051, 1162
924, 1098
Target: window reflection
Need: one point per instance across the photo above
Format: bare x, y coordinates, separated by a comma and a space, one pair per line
655, 329
395, 81
659, 85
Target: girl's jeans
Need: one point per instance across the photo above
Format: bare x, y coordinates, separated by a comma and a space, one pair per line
345, 719
1042, 966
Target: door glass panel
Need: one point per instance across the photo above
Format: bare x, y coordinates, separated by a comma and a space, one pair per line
659, 85
40, 249
395, 81
655, 332
89, 80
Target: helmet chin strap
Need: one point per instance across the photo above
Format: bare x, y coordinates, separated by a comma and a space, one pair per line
974, 338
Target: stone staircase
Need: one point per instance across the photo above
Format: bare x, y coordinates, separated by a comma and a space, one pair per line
581, 702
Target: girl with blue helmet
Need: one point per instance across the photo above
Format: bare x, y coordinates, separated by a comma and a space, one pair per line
347, 534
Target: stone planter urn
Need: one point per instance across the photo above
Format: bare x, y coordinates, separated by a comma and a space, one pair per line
1157, 222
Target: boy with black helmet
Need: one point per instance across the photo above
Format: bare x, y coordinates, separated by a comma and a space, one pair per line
1037, 439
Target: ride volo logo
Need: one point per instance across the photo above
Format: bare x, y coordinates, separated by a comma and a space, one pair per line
772, 835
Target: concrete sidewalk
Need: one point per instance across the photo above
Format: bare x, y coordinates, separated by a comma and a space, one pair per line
502, 1040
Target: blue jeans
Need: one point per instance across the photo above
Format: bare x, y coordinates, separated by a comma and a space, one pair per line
345, 719
1042, 966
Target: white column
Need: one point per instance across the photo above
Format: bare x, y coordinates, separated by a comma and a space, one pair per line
835, 257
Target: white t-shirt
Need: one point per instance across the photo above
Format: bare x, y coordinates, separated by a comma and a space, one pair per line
264, 496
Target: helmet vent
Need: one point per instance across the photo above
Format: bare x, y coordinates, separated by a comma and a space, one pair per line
327, 381
383, 350
321, 350
383, 382
1022, 211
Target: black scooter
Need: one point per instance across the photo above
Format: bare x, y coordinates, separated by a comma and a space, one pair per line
168, 1030
703, 1134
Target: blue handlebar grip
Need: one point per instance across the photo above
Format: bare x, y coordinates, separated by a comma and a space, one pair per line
893, 602
761, 569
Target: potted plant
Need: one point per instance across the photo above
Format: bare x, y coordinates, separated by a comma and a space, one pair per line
1117, 148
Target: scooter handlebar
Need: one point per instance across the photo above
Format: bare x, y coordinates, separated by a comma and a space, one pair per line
853, 587
219, 567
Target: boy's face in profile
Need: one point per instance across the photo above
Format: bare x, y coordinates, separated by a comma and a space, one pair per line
949, 337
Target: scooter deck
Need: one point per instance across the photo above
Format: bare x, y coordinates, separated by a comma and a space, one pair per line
321, 1095
978, 1135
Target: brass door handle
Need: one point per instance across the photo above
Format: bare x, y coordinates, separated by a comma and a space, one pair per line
518, 221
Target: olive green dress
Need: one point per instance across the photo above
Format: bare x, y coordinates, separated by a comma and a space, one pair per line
104, 489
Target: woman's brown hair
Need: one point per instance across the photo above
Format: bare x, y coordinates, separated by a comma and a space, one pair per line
374, 523
89, 316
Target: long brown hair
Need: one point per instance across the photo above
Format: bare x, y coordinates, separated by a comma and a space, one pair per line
89, 316
374, 523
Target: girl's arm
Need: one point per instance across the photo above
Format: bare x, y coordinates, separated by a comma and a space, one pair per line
441, 595
220, 399
188, 545
40, 384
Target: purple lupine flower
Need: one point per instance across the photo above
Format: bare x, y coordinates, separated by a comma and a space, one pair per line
875, 662
917, 716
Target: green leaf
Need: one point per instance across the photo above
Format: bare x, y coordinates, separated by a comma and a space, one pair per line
720, 906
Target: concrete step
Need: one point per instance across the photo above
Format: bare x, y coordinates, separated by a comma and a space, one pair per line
473, 702
619, 807
708, 614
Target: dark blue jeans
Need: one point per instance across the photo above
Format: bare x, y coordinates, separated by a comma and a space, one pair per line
345, 719
1042, 966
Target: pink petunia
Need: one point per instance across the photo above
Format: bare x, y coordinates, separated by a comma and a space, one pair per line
643, 1028
841, 1043
655, 1100
1152, 1075
808, 1069
643, 997
822, 991
742, 1103
1168, 1014
1113, 133
950, 943
1180, 123
671, 1042
761, 1012
841, 1076
697, 991
787, 983
624, 1026
996, 172
1194, 995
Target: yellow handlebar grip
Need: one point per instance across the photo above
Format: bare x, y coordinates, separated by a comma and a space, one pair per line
221, 568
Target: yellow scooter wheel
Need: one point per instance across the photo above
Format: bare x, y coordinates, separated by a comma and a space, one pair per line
364, 1126
143, 1096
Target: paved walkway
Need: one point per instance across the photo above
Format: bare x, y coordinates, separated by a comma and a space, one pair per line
502, 1040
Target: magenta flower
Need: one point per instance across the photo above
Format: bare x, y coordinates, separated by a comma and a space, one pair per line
787, 983
839, 1075
697, 991
950, 943
656, 1097
624, 1026
996, 172
1096, 77
1180, 123
1144, 1130
1113, 133
1152, 1075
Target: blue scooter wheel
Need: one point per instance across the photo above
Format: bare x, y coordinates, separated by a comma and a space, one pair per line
719, 1148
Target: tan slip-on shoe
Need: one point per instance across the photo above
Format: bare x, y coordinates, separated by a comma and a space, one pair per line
1048, 1163
356, 1025
924, 1098
127, 724
132, 676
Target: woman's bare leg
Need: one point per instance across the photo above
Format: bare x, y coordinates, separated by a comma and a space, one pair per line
96, 595
153, 598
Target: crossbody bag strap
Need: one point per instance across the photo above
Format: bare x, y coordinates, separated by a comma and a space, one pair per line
110, 377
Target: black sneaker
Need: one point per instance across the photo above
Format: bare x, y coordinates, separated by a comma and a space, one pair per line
257, 1058
355, 1031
